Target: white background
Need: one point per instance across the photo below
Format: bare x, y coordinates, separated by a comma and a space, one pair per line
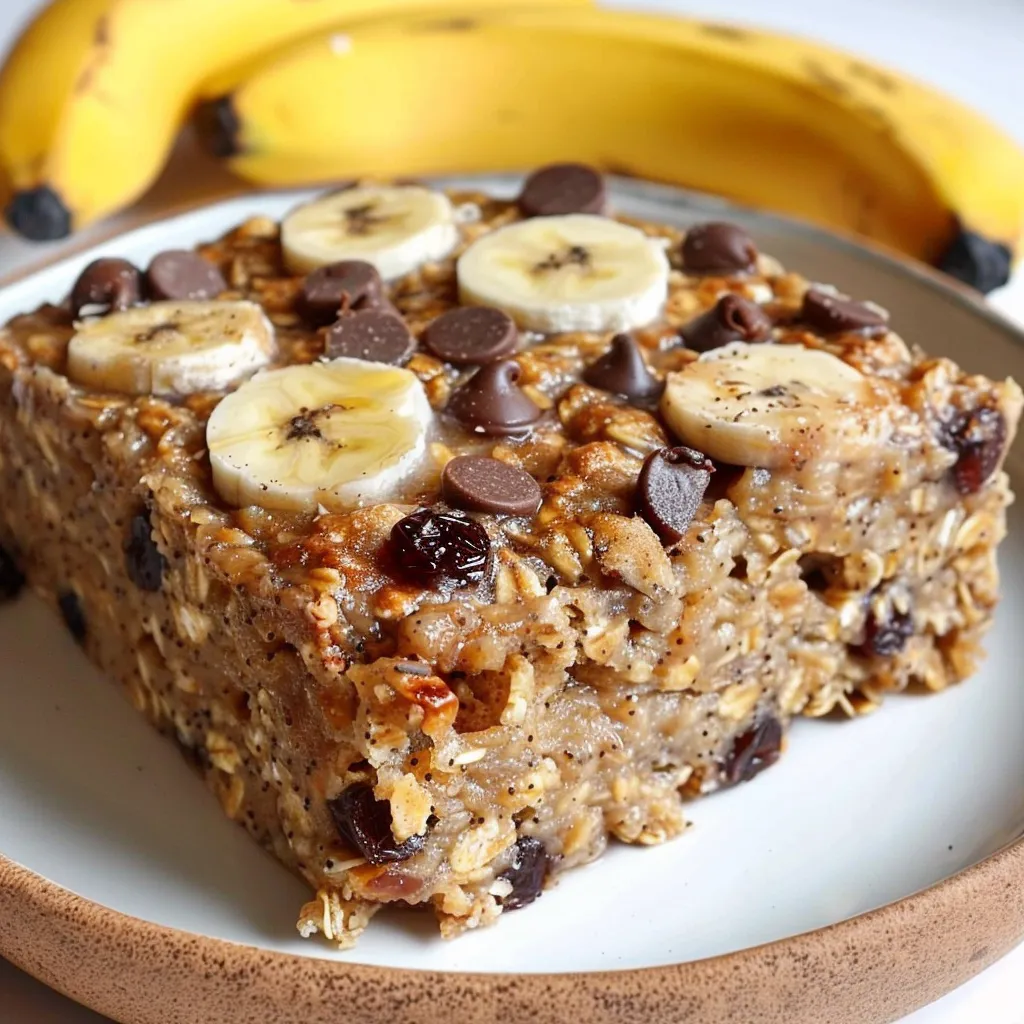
973, 49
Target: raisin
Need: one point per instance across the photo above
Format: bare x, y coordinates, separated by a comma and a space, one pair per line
889, 636
434, 548
74, 618
364, 823
756, 749
979, 439
143, 561
529, 868
12, 579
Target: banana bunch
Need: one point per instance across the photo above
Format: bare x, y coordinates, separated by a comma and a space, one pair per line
770, 121
94, 93
291, 93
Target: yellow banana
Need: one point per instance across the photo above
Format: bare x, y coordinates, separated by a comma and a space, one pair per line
774, 121
95, 91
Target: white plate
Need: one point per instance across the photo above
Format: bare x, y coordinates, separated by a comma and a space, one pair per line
856, 815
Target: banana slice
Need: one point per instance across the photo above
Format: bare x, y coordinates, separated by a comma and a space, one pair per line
397, 229
774, 406
172, 348
339, 434
571, 273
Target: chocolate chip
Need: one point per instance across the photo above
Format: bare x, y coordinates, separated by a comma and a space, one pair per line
886, 637
111, 284
979, 439
756, 749
472, 336
371, 334
364, 823
339, 287
732, 318
12, 579
837, 314
623, 371
491, 403
477, 483
563, 188
70, 606
529, 868
718, 248
143, 561
183, 275
670, 489
438, 548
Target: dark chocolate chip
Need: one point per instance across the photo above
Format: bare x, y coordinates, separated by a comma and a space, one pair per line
732, 318
886, 637
623, 371
39, 214
529, 868
756, 749
143, 561
364, 823
438, 548
491, 403
718, 248
12, 579
111, 284
837, 314
472, 336
979, 439
182, 275
70, 605
371, 334
478, 483
977, 261
670, 489
339, 287
563, 188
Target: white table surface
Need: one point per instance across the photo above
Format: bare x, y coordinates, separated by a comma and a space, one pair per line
973, 49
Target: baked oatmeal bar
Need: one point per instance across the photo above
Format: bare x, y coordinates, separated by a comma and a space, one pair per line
452, 537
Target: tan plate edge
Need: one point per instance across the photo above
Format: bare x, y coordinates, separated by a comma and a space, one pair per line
871, 969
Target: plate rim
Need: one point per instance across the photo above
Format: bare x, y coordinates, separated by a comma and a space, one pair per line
165, 974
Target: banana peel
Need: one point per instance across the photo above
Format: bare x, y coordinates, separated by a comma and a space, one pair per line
95, 91
765, 119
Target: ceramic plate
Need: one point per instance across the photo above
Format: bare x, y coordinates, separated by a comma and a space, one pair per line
179, 917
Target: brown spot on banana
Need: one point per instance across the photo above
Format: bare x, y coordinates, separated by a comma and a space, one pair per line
873, 76
825, 79
728, 33
446, 25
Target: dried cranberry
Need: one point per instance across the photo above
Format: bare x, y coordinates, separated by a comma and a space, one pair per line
12, 579
143, 561
756, 749
70, 605
434, 548
886, 637
364, 822
529, 868
979, 439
